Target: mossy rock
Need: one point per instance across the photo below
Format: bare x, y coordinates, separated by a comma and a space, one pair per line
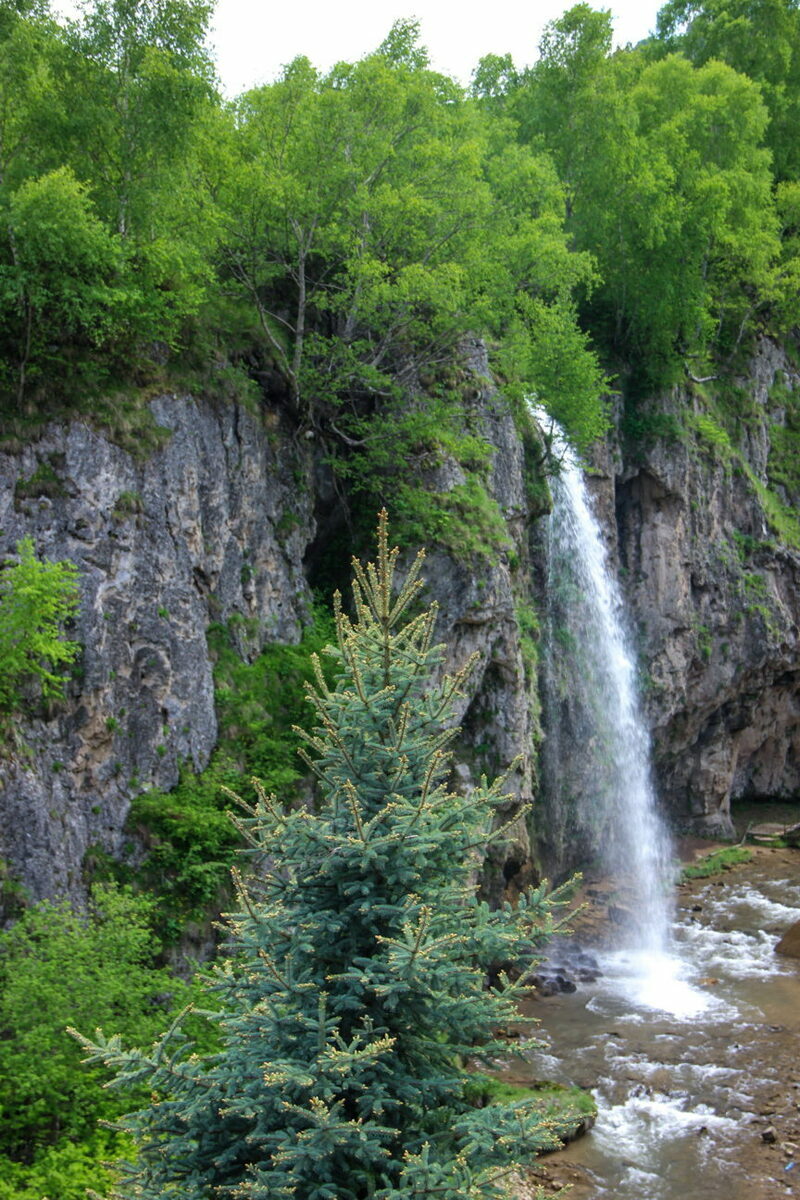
716, 862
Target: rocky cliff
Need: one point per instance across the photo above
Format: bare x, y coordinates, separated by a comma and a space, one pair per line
223, 521
715, 593
216, 525
211, 527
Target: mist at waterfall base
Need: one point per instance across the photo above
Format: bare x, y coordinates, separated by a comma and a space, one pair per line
600, 802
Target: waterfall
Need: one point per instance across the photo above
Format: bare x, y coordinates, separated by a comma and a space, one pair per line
596, 759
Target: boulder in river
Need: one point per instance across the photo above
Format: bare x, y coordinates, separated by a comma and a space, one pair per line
790, 942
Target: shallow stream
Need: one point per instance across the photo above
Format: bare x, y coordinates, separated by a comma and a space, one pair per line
691, 1064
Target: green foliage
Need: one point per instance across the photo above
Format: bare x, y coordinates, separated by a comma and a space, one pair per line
745, 545
399, 452
140, 76
339, 234
189, 844
716, 862
759, 38
529, 636
711, 432
59, 966
783, 465
357, 968
704, 641
65, 1170
465, 520
127, 504
37, 598
781, 517
669, 188
56, 288
427, 225
102, 247
569, 1108
259, 703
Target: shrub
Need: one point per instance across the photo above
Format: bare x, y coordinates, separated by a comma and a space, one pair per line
36, 599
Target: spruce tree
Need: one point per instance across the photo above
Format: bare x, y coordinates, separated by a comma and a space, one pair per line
355, 988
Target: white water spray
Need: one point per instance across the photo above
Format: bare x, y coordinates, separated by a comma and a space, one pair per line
597, 750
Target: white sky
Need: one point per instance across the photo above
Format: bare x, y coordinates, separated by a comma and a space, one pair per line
252, 39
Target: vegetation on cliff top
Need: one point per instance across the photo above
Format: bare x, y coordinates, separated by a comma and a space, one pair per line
334, 237
340, 233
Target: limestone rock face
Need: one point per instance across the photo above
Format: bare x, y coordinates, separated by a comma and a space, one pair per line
219, 525
715, 600
212, 527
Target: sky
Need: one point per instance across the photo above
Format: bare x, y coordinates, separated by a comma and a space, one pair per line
253, 40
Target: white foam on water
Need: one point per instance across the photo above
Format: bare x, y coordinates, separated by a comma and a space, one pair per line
761, 908
653, 982
685, 1073
731, 954
643, 1124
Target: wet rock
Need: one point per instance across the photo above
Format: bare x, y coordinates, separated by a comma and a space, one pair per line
790, 942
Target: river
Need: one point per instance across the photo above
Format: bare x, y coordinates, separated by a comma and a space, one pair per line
687, 1093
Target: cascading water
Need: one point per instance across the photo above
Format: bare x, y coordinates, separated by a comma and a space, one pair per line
682, 1071
597, 754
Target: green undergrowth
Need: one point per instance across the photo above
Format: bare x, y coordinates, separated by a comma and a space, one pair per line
712, 434
188, 838
60, 966
569, 1110
45, 481
466, 521
781, 518
716, 862
783, 465
400, 455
